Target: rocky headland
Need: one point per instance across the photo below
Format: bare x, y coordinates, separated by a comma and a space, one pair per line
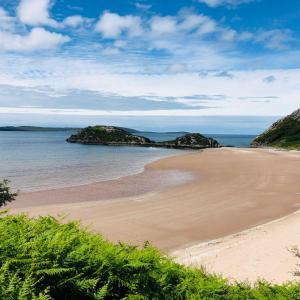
284, 133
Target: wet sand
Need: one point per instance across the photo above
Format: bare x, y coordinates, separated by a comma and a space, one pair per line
232, 190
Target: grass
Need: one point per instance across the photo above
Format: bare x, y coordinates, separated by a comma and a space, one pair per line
45, 259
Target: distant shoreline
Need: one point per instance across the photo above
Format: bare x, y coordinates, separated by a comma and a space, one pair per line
36, 129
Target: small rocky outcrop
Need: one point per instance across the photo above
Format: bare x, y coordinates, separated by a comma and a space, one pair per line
284, 133
193, 140
116, 136
107, 135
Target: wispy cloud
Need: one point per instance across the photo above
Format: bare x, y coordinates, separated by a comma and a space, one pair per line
231, 3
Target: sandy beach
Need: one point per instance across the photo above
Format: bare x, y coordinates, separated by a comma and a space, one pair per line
228, 192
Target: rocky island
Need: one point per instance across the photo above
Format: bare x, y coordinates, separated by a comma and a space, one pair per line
284, 133
116, 136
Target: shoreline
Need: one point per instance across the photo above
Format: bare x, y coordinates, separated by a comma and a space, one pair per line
234, 190
145, 181
270, 259
136, 172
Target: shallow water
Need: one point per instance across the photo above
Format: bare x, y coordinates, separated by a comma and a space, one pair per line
44, 160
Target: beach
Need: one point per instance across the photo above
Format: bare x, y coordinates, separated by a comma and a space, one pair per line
215, 213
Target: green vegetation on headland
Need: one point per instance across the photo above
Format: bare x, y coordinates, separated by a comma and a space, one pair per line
284, 133
34, 128
110, 135
44, 259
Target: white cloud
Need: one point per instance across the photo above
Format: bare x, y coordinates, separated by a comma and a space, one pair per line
74, 21
6, 22
274, 39
228, 34
245, 92
162, 25
37, 39
172, 33
111, 51
120, 44
207, 27
216, 3
36, 13
89, 112
192, 21
177, 68
112, 25
143, 6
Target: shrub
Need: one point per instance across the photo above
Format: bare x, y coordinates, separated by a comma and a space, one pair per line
5, 193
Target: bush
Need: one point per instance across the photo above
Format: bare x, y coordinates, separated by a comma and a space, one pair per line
45, 259
5, 194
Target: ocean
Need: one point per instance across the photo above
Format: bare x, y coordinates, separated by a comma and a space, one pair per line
44, 160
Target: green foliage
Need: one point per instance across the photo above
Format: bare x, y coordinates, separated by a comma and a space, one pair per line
43, 259
5, 193
285, 133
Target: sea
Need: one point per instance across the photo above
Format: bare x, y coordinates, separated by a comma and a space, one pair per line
35, 161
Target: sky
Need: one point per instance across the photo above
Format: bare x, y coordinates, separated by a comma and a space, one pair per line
149, 63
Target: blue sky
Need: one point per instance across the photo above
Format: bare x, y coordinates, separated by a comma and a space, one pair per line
101, 61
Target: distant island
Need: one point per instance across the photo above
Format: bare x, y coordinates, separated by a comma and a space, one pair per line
34, 128
117, 136
284, 133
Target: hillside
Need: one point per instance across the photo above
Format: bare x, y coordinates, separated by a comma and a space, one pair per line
116, 136
284, 133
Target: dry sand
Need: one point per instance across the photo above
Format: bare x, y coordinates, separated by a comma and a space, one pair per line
232, 190
262, 252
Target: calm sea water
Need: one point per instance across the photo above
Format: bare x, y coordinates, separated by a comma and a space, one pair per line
43, 160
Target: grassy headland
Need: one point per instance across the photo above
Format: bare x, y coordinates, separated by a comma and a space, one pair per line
284, 133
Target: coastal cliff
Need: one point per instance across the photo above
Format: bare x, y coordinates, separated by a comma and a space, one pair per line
284, 133
116, 136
